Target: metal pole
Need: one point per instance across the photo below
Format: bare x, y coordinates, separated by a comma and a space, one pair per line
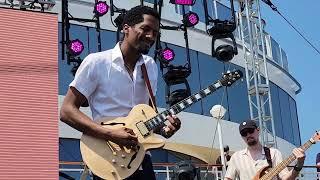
217, 112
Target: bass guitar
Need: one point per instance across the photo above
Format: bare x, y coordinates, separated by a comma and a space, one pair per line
110, 161
267, 174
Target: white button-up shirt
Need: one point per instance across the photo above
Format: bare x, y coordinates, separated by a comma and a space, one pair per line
103, 79
243, 166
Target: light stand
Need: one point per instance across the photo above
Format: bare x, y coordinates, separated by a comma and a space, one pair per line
218, 112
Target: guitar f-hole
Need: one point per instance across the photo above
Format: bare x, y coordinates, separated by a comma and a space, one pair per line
112, 124
133, 157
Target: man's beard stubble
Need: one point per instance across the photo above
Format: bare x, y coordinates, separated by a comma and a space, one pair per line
252, 143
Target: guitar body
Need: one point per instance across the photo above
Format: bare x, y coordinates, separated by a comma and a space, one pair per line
111, 161
261, 173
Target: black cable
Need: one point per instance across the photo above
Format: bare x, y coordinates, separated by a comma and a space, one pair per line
274, 8
299, 33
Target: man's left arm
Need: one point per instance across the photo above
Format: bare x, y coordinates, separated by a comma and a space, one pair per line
300, 156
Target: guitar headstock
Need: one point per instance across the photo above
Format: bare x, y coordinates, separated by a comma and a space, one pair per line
316, 137
229, 78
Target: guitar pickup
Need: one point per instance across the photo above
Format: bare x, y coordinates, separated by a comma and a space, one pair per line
143, 128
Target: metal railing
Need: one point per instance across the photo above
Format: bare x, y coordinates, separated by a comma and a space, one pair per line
164, 171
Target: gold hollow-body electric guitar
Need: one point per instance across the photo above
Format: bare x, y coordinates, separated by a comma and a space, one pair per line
113, 162
267, 174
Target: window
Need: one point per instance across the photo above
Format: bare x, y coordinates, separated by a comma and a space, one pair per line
276, 54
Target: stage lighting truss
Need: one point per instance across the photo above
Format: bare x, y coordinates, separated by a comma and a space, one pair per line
100, 8
33, 4
183, 2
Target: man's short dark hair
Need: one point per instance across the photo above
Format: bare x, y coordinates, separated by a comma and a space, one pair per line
135, 15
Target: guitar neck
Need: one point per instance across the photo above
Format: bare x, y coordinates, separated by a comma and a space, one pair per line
276, 170
159, 120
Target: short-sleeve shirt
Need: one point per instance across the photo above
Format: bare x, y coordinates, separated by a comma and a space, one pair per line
103, 79
243, 166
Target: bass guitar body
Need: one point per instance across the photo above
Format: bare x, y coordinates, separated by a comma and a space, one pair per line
111, 161
261, 173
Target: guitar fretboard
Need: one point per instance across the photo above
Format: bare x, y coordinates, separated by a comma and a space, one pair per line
159, 120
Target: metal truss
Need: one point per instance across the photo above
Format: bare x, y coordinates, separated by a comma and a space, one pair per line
254, 49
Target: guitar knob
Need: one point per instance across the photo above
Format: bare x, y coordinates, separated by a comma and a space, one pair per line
114, 153
123, 156
113, 161
122, 166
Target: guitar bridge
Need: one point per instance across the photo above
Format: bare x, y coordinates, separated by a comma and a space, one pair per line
143, 128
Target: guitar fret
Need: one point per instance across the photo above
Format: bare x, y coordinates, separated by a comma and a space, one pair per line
217, 85
202, 94
189, 101
206, 91
181, 105
162, 116
172, 111
197, 96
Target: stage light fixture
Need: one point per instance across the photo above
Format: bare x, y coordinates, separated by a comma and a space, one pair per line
190, 19
100, 8
185, 170
176, 74
183, 2
75, 47
224, 52
167, 55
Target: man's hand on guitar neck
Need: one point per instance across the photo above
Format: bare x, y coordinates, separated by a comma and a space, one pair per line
300, 155
172, 127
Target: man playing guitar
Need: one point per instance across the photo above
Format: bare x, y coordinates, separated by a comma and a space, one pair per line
247, 162
112, 83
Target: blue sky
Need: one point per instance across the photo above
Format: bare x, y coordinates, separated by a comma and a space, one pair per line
304, 62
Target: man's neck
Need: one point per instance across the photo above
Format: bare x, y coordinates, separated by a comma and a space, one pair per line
255, 148
129, 54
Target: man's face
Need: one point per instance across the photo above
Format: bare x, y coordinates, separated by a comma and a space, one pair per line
250, 136
143, 35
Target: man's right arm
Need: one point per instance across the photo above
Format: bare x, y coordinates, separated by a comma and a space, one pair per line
71, 115
231, 171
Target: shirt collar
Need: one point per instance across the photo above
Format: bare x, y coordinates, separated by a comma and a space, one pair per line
117, 55
246, 151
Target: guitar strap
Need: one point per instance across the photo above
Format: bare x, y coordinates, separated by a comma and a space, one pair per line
147, 82
268, 156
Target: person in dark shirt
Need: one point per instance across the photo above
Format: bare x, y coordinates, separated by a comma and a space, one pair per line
226, 155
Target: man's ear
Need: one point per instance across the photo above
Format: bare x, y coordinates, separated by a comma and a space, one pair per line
258, 129
125, 28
